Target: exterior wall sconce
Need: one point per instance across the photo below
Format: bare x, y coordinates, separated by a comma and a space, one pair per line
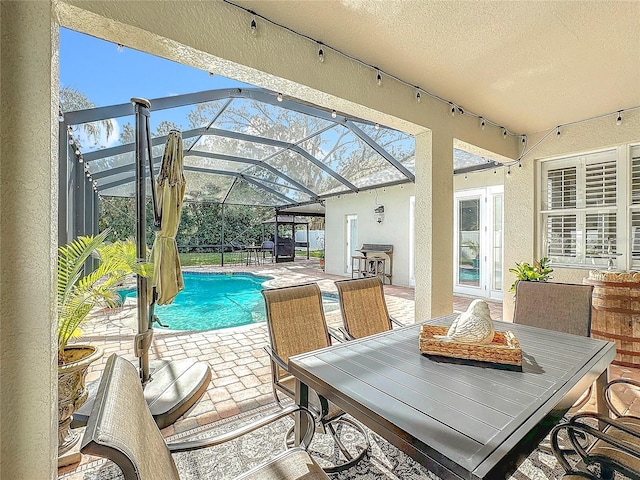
378, 213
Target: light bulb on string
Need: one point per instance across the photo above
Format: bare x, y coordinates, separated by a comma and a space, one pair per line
80, 159
524, 139
378, 78
77, 152
377, 126
418, 96
466, 176
482, 123
279, 97
619, 119
519, 163
509, 171
320, 53
253, 26
71, 141
558, 131
504, 132
120, 47
334, 114
453, 109
60, 117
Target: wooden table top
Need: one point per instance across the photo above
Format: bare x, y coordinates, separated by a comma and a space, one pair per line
460, 421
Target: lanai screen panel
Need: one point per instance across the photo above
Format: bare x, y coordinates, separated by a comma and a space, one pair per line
244, 193
206, 187
246, 115
401, 146
302, 170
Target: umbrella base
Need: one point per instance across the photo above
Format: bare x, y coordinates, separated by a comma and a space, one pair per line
175, 386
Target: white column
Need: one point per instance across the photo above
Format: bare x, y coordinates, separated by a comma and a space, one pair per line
28, 240
434, 225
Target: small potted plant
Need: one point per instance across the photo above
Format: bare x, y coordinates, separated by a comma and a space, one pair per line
538, 272
78, 293
322, 260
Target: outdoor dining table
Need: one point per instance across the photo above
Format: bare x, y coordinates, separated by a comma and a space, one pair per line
459, 419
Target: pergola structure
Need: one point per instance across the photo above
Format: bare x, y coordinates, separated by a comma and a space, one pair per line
243, 146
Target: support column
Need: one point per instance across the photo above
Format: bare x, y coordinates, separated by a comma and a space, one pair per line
28, 240
434, 225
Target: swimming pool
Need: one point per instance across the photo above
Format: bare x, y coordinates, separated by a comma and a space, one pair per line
211, 301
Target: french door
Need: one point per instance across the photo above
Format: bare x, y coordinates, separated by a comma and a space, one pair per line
478, 235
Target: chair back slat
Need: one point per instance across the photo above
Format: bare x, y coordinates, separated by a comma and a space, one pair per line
295, 320
364, 310
561, 307
122, 429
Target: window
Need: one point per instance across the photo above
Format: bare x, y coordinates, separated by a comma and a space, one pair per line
583, 208
634, 213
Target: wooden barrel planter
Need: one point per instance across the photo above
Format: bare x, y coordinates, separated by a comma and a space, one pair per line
615, 314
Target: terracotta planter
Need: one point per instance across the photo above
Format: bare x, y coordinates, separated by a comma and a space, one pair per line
71, 390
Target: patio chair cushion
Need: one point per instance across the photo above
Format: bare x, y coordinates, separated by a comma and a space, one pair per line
364, 310
295, 320
561, 307
122, 429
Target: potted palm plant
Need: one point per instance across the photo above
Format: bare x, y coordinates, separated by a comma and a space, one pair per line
78, 292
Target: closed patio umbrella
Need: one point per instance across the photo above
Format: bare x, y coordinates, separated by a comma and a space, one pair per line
170, 187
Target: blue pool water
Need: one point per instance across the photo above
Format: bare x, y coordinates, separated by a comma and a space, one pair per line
212, 301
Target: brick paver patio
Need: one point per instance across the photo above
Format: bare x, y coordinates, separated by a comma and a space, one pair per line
241, 375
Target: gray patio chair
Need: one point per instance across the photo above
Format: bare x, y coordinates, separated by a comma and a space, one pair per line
296, 324
364, 309
561, 307
122, 429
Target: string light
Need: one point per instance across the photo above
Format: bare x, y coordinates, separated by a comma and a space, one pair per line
465, 175
524, 139
120, 47
279, 97
377, 126
453, 109
253, 26
509, 171
320, 53
60, 116
519, 163
483, 120
334, 114
558, 131
211, 74
619, 119
78, 152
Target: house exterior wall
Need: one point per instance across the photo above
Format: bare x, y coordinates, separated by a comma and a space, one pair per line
521, 190
28, 241
393, 230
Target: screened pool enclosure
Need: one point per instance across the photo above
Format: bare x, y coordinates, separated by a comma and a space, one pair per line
242, 146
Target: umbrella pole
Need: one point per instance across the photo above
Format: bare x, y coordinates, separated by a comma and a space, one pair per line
143, 338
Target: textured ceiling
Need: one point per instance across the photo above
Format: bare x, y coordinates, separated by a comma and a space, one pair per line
527, 65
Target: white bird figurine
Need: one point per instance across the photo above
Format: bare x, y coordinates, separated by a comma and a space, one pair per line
473, 326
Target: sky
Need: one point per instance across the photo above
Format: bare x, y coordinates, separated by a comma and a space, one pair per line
110, 76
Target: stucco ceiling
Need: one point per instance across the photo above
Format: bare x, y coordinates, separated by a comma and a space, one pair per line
526, 65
